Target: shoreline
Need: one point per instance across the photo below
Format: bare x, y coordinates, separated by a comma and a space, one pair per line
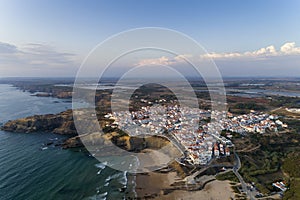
157, 186
152, 184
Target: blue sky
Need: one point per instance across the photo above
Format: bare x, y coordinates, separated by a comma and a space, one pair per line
63, 32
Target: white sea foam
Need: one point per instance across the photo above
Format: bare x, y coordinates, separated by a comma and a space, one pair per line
117, 175
120, 177
98, 196
103, 194
106, 184
123, 179
134, 186
101, 165
44, 148
108, 179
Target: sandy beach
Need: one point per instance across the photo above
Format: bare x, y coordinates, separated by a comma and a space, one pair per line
152, 184
215, 190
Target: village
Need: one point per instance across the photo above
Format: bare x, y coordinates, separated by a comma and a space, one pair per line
199, 138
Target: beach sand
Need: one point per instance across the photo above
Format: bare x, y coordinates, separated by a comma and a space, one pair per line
215, 190
152, 183
150, 186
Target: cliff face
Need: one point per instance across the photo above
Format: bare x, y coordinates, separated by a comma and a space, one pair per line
128, 143
133, 144
73, 142
61, 123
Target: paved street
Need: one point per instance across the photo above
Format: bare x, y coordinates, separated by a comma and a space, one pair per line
236, 169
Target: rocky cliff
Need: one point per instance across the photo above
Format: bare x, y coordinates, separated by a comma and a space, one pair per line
61, 123
133, 144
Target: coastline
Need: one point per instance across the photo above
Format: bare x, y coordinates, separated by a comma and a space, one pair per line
216, 190
153, 184
158, 186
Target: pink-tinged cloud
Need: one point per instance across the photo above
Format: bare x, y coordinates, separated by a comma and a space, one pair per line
288, 48
164, 60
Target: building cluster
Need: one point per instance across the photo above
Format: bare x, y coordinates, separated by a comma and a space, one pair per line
200, 142
280, 185
293, 110
252, 122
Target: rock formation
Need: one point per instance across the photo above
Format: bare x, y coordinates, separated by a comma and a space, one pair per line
61, 123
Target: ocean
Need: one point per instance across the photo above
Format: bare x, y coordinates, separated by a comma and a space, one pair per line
29, 170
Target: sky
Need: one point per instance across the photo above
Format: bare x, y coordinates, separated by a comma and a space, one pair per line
244, 38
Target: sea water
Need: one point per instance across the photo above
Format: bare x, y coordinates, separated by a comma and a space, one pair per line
29, 171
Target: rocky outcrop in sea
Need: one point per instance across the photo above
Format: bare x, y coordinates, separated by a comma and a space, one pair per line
61, 123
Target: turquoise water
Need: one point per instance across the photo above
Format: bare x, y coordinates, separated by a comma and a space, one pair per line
28, 172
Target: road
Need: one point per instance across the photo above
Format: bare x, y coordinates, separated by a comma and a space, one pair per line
236, 169
249, 150
274, 110
197, 173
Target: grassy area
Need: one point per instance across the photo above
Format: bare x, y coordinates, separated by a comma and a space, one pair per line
227, 176
293, 124
293, 193
291, 166
284, 112
279, 101
236, 189
245, 107
263, 166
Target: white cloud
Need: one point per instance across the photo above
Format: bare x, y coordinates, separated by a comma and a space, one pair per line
288, 48
33, 58
163, 60
155, 61
267, 51
6, 48
33, 54
182, 57
214, 55
268, 61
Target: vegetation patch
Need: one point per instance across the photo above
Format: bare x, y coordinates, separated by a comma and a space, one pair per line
291, 167
227, 176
